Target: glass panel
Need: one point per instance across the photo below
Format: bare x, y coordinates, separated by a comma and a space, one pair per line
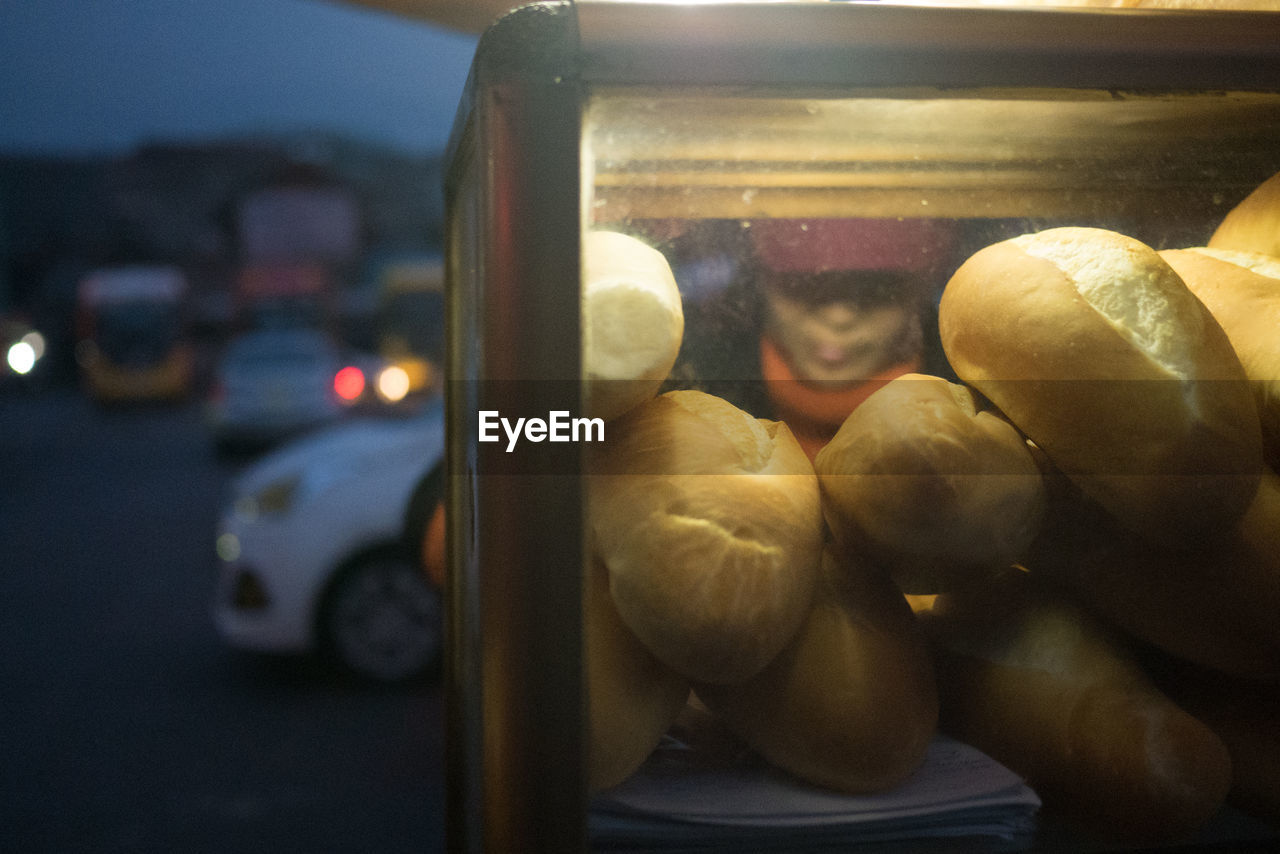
463, 672
803, 245
937, 175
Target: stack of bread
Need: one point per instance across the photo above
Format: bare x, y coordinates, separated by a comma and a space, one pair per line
1146, 382
1094, 498
709, 525
1143, 380
708, 579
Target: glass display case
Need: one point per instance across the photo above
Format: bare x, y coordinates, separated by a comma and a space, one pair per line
733, 162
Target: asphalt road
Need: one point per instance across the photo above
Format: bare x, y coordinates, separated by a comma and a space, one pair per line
125, 724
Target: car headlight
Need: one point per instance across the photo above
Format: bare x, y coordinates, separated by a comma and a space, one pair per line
227, 546
25, 352
281, 495
276, 498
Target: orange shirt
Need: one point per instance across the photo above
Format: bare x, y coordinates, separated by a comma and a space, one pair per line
815, 414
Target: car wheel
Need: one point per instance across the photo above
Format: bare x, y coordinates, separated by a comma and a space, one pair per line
383, 620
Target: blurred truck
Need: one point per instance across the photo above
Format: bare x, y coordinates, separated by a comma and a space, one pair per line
410, 327
132, 339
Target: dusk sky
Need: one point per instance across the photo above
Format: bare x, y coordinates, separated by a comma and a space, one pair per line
83, 76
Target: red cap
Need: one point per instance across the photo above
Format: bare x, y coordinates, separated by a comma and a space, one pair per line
822, 245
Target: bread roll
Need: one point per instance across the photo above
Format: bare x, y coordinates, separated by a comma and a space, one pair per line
1254, 224
935, 490
710, 523
632, 322
632, 698
1215, 605
851, 703
1242, 291
1044, 690
1096, 350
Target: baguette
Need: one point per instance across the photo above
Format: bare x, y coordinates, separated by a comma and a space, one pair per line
851, 704
632, 698
1254, 224
1214, 605
1097, 351
632, 322
1044, 690
936, 490
1242, 291
710, 524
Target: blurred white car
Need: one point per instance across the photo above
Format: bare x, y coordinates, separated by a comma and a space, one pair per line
271, 384
319, 548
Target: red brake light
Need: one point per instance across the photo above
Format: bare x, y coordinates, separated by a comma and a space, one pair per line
348, 383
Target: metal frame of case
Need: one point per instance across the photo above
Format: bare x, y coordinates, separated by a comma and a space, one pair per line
514, 687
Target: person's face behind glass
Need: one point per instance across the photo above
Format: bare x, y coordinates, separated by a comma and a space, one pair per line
842, 328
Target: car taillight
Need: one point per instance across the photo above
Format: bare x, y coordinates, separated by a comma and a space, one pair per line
348, 383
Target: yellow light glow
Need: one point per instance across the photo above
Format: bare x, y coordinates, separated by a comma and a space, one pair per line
393, 384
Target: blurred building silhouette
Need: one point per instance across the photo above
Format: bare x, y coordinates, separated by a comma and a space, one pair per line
179, 204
